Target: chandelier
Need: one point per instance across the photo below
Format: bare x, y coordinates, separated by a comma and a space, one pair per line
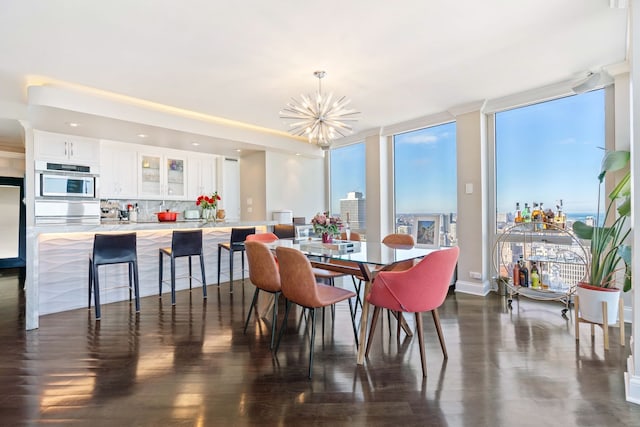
318, 117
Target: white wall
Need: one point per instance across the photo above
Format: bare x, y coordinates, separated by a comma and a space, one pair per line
12, 164
253, 187
296, 183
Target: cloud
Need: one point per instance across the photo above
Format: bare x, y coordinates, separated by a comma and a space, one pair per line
420, 139
567, 141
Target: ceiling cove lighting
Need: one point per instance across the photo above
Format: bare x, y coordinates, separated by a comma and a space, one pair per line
320, 118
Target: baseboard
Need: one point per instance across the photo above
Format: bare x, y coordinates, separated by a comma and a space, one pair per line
473, 288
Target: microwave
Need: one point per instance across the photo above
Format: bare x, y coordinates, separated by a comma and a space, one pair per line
58, 180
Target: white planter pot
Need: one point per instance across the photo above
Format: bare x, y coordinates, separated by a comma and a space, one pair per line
590, 303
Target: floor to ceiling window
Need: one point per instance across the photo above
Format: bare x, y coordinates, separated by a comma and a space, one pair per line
425, 181
348, 189
547, 154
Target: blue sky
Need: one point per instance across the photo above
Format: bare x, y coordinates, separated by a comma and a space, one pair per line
544, 152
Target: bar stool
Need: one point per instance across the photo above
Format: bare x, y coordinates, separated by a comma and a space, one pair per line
113, 249
235, 244
183, 243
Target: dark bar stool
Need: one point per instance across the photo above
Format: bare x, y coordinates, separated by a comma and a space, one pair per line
183, 243
235, 244
113, 249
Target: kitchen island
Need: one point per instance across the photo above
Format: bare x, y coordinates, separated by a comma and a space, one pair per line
57, 275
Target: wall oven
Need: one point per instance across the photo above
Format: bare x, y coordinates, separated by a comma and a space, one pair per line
66, 194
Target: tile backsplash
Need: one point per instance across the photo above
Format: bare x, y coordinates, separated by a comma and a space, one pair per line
147, 209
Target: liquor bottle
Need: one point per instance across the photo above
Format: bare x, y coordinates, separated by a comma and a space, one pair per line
535, 217
524, 273
560, 218
543, 217
535, 277
516, 274
518, 216
526, 213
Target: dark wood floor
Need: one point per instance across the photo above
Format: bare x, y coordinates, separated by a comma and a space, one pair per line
191, 365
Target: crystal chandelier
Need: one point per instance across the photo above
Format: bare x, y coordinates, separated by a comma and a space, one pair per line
317, 117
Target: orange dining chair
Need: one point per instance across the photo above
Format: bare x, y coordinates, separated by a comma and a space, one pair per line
299, 286
422, 287
264, 274
353, 236
262, 237
398, 240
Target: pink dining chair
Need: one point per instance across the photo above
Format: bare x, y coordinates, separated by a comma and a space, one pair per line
262, 237
265, 276
421, 288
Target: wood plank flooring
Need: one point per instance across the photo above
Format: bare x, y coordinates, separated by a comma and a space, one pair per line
191, 365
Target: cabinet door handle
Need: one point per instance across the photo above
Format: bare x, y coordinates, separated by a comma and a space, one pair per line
71, 149
65, 148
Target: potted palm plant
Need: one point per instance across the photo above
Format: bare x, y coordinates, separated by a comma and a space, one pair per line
610, 255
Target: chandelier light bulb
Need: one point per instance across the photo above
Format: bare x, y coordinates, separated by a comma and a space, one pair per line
321, 121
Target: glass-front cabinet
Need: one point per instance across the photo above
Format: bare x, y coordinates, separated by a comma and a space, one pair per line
162, 176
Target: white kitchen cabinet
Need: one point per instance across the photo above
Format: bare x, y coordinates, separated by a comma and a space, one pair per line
201, 175
56, 147
162, 175
118, 170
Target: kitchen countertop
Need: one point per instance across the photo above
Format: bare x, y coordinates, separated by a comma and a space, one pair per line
116, 225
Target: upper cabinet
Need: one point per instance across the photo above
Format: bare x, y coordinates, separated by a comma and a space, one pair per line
118, 170
55, 147
201, 175
162, 175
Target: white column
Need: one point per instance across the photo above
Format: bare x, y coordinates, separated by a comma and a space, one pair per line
379, 184
472, 221
632, 377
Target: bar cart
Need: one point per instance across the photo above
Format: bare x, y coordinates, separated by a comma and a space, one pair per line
558, 255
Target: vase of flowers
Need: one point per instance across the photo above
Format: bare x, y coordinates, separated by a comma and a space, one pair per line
325, 225
209, 204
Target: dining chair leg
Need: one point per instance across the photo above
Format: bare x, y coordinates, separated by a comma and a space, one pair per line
253, 303
136, 285
436, 320
231, 271
160, 273
96, 291
90, 283
173, 281
219, 258
203, 276
353, 320
322, 322
284, 324
374, 321
274, 318
398, 323
313, 339
423, 358
389, 320
190, 273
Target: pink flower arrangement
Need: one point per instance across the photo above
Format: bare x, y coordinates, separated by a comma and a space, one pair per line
208, 202
323, 223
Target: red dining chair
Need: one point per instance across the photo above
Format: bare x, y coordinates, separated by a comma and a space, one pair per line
422, 287
262, 237
264, 274
299, 286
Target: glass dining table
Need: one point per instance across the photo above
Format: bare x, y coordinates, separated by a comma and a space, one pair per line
369, 257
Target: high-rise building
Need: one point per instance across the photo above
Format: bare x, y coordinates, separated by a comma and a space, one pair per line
353, 209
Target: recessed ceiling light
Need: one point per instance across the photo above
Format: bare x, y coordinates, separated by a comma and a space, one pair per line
195, 144
297, 154
142, 135
238, 150
73, 124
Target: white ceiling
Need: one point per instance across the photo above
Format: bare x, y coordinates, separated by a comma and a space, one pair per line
397, 61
